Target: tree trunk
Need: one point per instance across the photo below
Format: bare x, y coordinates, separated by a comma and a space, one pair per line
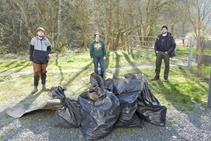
59, 21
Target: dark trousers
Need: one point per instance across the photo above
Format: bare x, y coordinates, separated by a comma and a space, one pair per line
99, 61
39, 70
162, 56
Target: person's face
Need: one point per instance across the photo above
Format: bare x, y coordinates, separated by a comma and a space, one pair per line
97, 37
40, 33
164, 30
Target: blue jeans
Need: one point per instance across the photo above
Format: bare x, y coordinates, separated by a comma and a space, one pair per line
96, 62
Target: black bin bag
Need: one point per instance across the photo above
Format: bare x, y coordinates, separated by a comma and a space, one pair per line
69, 115
123, 85
149, 108
118, 102
128, 116
109, 84
98, 117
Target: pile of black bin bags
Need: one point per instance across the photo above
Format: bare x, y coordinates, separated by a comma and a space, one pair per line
119, 102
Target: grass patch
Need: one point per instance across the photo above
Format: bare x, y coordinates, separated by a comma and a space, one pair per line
173, 121
69, 60
2, 98
183, 90
5, 78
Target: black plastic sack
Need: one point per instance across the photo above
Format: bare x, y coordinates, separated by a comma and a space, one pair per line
149, 107
128, 104
109, 84
135, 121
135, 76
69, 115
123, 85
97, 84
96, 81
98, 117
153, 114
121, 102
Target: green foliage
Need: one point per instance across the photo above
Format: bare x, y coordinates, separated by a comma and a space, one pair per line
197, 98
4, 49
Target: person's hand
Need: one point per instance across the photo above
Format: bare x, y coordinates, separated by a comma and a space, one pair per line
49, 56
30, 62
156, 53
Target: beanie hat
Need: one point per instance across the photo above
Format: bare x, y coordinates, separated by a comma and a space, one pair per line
40, 29
164, 26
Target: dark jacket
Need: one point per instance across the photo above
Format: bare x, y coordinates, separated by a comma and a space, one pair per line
97, 49
165, 43
39, 50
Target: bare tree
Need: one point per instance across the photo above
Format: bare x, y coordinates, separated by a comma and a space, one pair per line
198, 12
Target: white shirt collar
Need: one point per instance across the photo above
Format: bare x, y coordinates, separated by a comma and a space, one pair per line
164, 34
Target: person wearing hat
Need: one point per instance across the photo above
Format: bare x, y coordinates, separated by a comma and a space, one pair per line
97, 53
164, 49
39, 52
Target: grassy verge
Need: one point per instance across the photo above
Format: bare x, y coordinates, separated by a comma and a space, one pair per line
73, 60
182, 91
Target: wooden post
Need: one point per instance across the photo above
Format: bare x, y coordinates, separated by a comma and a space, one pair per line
206, 59
190, 56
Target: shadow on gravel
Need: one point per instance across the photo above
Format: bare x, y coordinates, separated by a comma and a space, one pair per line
6, 119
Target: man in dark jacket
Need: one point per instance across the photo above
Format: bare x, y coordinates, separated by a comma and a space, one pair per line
39, 51
164, 49
98, 53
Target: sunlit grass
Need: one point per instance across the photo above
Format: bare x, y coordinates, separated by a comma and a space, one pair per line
183, 89
2, 98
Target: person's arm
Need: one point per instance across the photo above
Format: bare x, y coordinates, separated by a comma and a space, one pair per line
31, 50
49, 49
104, 50
48, 46
173, 46
91, 50
156, 45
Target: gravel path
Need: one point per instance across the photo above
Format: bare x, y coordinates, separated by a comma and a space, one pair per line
37, 126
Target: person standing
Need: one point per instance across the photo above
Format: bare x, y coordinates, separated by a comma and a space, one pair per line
39, 51
98, 53
164, 49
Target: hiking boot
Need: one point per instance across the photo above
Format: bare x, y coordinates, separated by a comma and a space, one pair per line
34, 90
44, 88
166, 80
155, 78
